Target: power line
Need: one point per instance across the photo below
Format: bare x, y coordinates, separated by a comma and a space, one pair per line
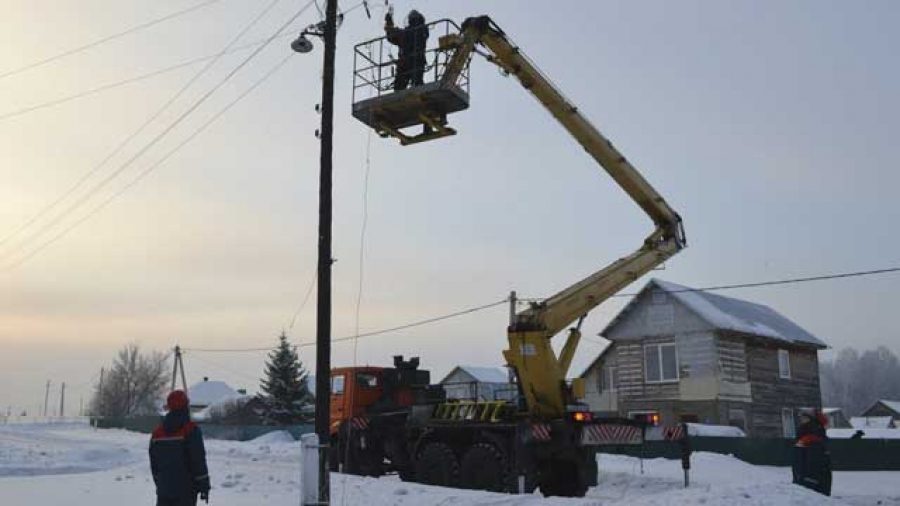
156, 139
763, 283
130, 137
493, 304
365, 334
130, 80
108, 38
146, 171
309, 289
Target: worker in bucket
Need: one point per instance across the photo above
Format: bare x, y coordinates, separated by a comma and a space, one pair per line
411, 43
812, 462
177, 456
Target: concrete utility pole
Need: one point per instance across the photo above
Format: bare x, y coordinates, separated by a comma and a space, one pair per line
62, 400
178, 362
46, 398
323, 313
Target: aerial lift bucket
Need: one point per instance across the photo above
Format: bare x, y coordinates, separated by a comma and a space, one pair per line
424, 107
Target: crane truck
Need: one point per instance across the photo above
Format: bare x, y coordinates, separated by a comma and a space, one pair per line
392, 419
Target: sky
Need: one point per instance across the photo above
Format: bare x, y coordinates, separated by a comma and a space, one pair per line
769, 126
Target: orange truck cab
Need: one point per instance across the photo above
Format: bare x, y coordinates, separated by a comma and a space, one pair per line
358, 392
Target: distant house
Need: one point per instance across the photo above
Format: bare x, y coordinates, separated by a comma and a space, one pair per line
478, 383
883, 407
207, 393
872, 422
836, 418
681, 355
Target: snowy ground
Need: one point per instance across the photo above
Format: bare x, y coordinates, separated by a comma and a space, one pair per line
72, 464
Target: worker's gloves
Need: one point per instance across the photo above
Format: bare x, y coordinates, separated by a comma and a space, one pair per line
389, 19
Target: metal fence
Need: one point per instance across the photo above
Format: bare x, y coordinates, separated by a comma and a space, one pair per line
846, 454
146, 424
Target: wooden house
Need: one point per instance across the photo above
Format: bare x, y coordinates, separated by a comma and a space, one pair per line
682, 355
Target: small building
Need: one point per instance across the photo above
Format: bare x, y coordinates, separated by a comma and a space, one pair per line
836, 418
207, 393
683, 355
882, 408
872, 422
466, 382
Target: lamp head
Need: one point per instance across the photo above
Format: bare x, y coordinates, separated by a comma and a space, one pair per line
301, 44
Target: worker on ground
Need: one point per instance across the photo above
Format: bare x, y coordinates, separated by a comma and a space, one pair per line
177, 456
812, 462
411, 43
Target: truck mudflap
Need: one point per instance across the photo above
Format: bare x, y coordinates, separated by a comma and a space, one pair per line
607, 434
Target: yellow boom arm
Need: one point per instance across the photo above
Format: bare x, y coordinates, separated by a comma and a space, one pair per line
541, 374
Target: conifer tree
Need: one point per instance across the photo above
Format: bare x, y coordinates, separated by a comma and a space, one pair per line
284, 388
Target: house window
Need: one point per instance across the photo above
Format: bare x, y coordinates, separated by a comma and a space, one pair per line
784, 364
787, 423
660, 363
608, 379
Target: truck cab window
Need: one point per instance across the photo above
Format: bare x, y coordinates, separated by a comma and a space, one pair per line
337, 385
366, 380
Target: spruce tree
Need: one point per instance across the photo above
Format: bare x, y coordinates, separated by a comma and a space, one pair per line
284, 387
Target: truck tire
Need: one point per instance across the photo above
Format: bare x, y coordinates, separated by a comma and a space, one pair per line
437, 465
483, 467
561, 478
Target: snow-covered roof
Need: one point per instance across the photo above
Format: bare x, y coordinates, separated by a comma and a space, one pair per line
829, 411
727, 313
482, 374
892, 405
871, 422
205, 393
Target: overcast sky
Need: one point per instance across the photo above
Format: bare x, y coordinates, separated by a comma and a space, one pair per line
770, 126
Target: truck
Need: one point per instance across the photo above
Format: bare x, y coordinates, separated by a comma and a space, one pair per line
393, 419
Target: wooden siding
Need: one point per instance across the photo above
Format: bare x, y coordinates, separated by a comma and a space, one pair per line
771, 393
655, 314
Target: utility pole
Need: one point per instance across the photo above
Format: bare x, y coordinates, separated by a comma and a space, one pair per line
178, 363
62, 400
323, 313
46, 398
100, 395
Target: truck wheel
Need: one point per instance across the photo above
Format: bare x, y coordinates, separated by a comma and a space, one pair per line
484, 468
561, 478
437, 465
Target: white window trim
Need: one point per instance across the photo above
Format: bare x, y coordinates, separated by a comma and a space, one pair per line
784, 372
610, 376
659, 347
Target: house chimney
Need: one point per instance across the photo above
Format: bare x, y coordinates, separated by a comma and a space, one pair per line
205, 378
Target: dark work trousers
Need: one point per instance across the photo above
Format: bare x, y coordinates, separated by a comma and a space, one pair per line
407, 76
184, 501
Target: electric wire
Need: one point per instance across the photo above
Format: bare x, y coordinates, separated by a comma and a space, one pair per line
134, 134
365, 334
168, 129
777, 282
309, 290
505, 301
148, 170
105, 39
130, 80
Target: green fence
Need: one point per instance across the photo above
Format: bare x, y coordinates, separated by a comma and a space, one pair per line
846, 454
146, 424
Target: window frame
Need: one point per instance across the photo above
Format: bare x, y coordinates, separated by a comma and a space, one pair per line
792, 433
338, 379
784, 368
659, 347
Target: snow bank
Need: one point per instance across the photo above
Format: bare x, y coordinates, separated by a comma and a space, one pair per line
700, 429
275, 437
867, 433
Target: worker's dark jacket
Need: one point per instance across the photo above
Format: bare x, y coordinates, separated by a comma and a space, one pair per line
178, 459
812, 461
411, 41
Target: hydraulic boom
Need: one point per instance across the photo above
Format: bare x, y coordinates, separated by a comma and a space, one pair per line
540, 372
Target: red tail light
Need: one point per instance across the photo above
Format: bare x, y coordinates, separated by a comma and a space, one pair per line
582, 416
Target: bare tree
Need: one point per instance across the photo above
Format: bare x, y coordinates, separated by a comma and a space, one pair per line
854, 381
134, 385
